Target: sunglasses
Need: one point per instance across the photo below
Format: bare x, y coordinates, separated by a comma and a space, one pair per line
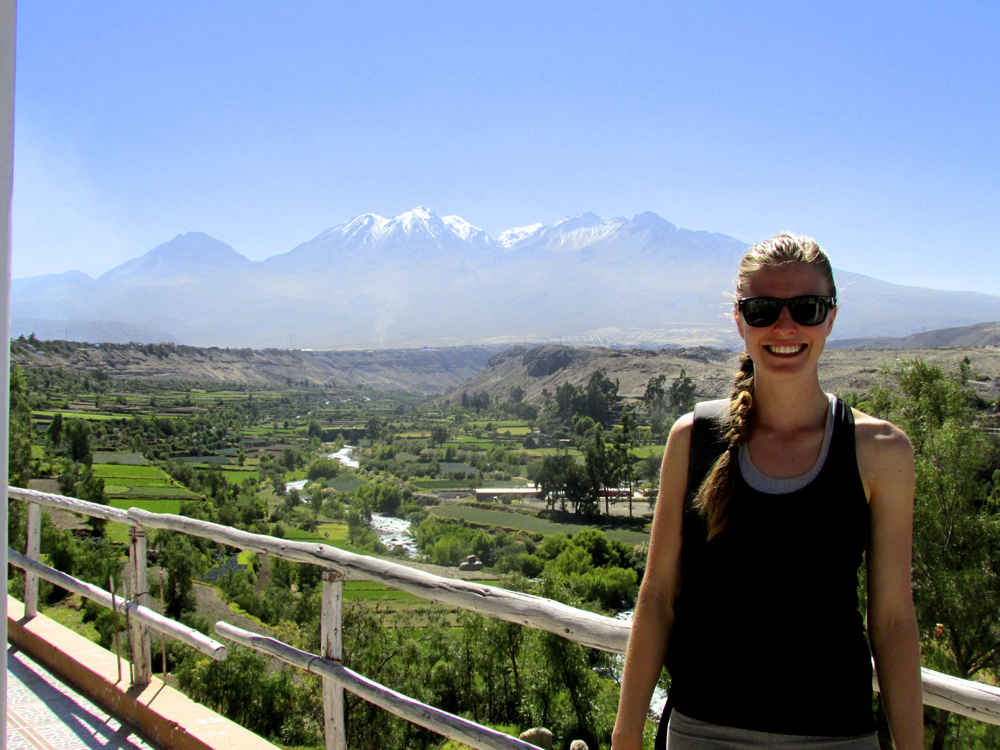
810, 310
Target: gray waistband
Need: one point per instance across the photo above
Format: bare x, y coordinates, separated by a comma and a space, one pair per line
685, 733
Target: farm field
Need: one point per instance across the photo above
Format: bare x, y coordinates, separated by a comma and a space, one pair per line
238, 477
130, 472
533, 524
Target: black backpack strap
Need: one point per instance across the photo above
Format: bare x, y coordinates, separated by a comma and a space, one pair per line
708, 442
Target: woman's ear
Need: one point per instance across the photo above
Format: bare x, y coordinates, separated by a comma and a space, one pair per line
739, 321
830, 318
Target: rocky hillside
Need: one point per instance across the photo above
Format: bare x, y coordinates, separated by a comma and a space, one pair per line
548, 367
981, 334
411, 370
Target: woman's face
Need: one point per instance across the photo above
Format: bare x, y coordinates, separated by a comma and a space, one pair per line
785, 348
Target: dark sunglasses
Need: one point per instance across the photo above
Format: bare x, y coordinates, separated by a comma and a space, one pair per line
810, 310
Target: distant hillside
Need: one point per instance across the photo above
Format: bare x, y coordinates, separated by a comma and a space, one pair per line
410, 370
712, 370
981, 334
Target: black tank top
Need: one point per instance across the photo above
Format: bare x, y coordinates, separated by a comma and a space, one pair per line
767, 633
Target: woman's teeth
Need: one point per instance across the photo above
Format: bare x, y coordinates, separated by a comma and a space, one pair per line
786, 349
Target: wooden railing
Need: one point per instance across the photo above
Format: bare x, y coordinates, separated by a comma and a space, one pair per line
972, 699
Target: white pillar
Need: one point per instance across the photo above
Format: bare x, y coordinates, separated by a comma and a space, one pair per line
33, 550
331, 637
142, 665
8, 23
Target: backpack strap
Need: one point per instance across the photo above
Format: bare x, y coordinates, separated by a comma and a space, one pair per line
708, 442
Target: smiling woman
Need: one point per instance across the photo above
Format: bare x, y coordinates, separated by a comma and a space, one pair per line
752, 573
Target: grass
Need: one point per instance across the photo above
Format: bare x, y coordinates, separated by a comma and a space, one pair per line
345, 482
371, 591
334, 532
152, 505
531, 524
138, 472
69, 614
237, 477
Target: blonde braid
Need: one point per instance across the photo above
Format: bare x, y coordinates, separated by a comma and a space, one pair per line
714, 493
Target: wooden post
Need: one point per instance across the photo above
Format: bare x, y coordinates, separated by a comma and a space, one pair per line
141, 652
34, 547
331, 638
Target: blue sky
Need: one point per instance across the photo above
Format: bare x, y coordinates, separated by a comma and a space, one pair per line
870, 126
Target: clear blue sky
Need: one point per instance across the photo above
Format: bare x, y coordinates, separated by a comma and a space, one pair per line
873, 127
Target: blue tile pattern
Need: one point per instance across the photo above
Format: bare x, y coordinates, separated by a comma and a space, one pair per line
45, 714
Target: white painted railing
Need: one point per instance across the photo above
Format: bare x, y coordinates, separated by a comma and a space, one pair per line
972, 699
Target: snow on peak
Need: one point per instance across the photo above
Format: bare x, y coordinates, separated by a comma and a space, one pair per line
511, 237
461, 227
371, 229
580, 231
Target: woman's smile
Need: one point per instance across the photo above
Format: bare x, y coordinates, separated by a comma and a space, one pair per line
785, 350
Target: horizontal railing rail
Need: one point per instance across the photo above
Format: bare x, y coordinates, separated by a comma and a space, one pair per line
586, 628
965, 697
150, 617
446, 724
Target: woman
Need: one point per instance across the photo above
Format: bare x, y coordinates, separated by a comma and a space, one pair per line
750, 594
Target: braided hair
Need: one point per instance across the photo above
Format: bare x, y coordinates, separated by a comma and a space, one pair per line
785, 248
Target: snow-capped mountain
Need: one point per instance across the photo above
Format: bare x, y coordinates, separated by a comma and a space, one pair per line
422, 279
416, 236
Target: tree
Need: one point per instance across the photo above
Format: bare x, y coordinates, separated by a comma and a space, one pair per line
622, 444
181, 555
601, 398
439, 435
956, 522
55, 430
20, 433
655, 393
315, 429
600, 467
78, 441
681, 397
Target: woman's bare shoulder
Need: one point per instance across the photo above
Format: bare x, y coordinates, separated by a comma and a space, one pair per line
879, 435
884, 451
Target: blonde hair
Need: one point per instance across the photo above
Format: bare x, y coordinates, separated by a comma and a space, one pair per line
785, 248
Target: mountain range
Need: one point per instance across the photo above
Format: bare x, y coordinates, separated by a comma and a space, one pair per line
419, 279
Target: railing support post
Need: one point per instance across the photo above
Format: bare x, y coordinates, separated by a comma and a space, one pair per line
141, 653
33, 549
332, 639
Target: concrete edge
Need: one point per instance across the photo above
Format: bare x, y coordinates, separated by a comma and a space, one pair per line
168, 717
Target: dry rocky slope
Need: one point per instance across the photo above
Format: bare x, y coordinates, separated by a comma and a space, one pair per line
411, 370
712, 370
473, 369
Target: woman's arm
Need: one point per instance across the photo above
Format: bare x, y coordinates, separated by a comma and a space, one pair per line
654, 612
885, 458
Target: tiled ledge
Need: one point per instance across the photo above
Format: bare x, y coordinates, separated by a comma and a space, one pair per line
166, 716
